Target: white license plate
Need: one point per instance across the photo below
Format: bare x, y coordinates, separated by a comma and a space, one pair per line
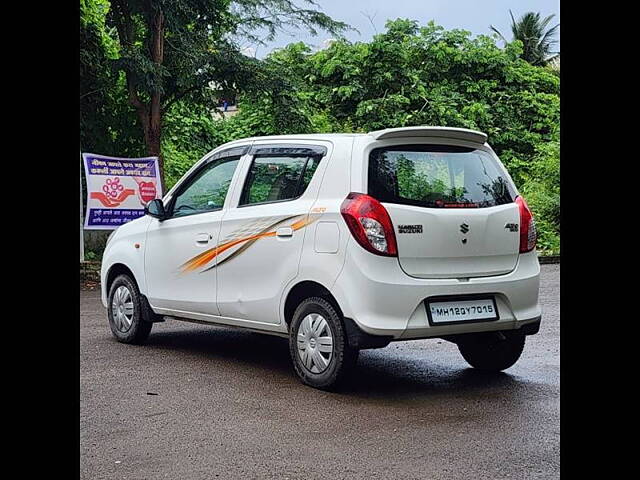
454, 311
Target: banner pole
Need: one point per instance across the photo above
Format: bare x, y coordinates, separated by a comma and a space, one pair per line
81, 214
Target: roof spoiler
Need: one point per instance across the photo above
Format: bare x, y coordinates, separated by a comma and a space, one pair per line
434, 132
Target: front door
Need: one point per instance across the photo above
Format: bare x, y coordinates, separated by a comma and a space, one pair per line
179, 277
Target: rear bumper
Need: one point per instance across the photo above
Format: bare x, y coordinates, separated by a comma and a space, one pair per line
359, 339
383, 300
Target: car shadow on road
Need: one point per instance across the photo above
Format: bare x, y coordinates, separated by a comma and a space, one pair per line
399, 375
379, 373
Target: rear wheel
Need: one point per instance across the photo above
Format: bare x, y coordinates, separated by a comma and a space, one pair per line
492, 351
318, 344
126, 311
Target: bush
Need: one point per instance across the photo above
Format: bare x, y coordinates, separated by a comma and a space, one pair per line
541, 189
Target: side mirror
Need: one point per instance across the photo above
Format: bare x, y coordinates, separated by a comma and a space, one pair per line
155, 208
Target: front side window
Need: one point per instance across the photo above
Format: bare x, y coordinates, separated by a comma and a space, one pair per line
207, 190
277, 178
438, 176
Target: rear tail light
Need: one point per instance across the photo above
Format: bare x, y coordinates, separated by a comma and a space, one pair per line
528, 235
370, 224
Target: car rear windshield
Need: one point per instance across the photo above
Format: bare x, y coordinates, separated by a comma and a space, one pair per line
438, 176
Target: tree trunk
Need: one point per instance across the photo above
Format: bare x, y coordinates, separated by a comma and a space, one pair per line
153, 136
149, 114
153, 142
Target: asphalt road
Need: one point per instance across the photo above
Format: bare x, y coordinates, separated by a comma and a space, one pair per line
199, 402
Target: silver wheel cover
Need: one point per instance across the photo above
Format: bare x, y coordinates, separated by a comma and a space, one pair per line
315, 343
122, 309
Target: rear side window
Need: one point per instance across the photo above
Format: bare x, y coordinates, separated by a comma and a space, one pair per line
437, 176
276, 178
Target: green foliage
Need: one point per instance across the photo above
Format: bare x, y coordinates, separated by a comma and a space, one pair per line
107, 122
425, 76
91, 256
252, 18
530, 31
139, 58
542, 191
190, 132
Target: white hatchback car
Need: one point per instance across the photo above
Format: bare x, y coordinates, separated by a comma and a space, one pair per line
338, 242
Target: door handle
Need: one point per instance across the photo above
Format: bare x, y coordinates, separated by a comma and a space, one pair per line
203, 238
284, 232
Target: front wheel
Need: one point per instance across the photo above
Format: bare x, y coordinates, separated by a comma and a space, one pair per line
318, 344
126, 311
492, 351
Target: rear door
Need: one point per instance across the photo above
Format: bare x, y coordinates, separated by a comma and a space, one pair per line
261, 238
452, 208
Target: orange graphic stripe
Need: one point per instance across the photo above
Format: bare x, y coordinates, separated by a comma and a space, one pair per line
297, 225
206, 257
209, 255
246, 245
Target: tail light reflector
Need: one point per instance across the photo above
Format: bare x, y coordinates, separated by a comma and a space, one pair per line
528, 235
370, 224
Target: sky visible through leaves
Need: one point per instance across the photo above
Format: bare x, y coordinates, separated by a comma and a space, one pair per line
367, 16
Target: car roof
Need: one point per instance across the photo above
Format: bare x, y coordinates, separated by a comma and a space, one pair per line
298, 136
473, 136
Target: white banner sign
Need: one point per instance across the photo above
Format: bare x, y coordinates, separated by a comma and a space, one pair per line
118, 189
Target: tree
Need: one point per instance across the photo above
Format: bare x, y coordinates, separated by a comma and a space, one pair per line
412, 75
530, 30
424, 75
105, 123
173, 50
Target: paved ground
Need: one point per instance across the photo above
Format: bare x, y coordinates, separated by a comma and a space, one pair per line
199, 402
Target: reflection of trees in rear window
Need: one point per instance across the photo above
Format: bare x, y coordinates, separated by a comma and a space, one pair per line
430, 184
496, 189
437, 178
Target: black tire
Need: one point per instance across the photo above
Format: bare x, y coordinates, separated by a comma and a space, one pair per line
343, 358
139, 329
492, 351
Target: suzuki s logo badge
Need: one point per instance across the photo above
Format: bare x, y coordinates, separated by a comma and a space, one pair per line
512, 227
464, 228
